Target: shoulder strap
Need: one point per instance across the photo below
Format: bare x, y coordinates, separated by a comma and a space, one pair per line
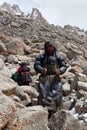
45, 60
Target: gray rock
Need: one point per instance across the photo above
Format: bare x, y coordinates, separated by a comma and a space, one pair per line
32, 118
63, 120
7, 108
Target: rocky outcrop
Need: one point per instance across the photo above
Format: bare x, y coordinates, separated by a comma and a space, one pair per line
22, 38
7, 86
32, 118
7, 108
63, 120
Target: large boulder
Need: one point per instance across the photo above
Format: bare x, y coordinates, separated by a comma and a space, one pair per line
79, 81
66, 89
1, 64
17, 46
24, 97
31, 91
32, 118
2, 48
85, 69
7, 85
7, 108
82, 85
12, 59
64, 120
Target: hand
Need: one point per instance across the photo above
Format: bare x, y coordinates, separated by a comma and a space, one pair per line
44, 71
57, 72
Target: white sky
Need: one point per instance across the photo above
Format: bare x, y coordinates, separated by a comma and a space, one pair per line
57, 12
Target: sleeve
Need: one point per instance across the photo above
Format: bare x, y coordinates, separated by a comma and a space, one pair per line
38, 65
61, 63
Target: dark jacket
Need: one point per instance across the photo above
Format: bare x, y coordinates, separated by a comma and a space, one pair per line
24, 75
39, 62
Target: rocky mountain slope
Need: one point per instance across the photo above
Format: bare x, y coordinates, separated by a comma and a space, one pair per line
22, 38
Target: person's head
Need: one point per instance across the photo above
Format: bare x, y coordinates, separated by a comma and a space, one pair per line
50, 48
23, 64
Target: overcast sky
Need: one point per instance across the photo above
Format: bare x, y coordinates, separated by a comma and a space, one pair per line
57, 12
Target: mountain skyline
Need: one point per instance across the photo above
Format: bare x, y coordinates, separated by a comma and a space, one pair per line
56, 12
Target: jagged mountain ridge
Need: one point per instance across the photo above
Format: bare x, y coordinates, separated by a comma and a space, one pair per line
33, 26
12, 18
22, 38
14, 9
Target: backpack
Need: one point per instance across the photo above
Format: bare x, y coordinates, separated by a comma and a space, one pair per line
15, 77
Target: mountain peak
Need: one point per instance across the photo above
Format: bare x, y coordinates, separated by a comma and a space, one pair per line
36, 15
14, 9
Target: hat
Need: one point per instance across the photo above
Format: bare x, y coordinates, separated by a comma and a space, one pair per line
48, 43
23, 63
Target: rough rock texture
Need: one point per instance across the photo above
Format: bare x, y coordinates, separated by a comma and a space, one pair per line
63, 120
32, 118
7, 86
7, 108
22, 38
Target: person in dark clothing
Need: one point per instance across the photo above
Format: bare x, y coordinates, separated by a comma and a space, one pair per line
50, 65
23, 74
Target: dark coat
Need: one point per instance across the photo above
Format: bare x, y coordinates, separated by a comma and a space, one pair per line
39, 63
24, 76
55, 85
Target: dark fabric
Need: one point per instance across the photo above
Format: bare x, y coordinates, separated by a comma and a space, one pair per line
24, 75
39, 62
25, 68
15, 76
24, 78
50, 89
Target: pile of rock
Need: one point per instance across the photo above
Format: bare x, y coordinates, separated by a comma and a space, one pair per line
22, 39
